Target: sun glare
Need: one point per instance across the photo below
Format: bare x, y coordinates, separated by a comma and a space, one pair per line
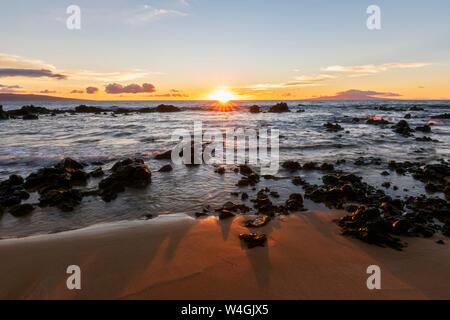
222, 96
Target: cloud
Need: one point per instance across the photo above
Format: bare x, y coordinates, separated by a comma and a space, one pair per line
371, 68
354, 94
148, 13
8, 90
77, 91
116, 88
10, 87
111, 76
14, 61
299, 81
169, 95
91, 90
8, 61
30, 73
47, 91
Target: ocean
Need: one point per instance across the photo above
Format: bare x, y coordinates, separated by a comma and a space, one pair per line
29, 145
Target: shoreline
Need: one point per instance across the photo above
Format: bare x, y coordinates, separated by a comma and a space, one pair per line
179, 257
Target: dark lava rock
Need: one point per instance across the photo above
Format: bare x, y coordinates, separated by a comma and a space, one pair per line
392, 208
385, 173
63, 175
78, 177
3, 115
447, 192
69, 163
339, 189
327, 166
127, 173
21, 210
333, 127
30, 117
274, 194
255, 109
253, 239
408, 116
15, 180
12, 191
63, 199
220, 170
244, 196
279, 107
27, 110
298, 181
376, 121
250, 180
88, 109
430, 207
425, 128
11, 200
441, 116
431, 172
367, 225
331, 180
160, 108
257, 222
166, 168
225, 214
386, 185
167, 108
402, 127
201, 214
167, 155
434, 187
263, 204
295, 202
416, 108
50, 177
291, 165
97, 173
245, 170
440, 242
124, 111
401, 226
426, 139
310, 166
234, 207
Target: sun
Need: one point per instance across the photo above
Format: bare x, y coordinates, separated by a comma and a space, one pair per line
222, 96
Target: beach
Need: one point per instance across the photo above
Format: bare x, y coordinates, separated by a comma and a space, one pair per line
178, 257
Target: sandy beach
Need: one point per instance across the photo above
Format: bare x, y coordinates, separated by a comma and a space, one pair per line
178, 257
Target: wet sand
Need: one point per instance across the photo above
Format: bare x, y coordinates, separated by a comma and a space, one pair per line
183, 258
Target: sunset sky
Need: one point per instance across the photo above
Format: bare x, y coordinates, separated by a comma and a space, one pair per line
187, 49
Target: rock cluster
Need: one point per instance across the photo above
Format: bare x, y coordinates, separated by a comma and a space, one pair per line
279, 107
131, 173
255, 109
253, 239
333, 127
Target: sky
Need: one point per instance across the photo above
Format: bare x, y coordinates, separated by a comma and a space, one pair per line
253, 49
